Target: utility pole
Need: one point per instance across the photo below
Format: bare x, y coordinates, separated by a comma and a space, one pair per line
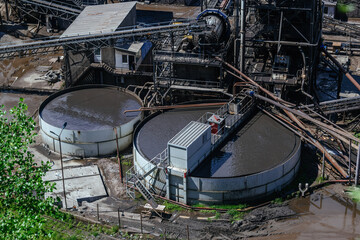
61, 161
6, 10
242, 36
357, 167
118, 155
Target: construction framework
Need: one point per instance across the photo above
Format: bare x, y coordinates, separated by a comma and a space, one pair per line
190, 62
66, 10
277, 42
85, 45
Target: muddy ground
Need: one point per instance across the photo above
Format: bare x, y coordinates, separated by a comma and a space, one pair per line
314, 216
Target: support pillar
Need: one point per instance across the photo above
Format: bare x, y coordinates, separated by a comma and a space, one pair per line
68, 77
349, 170
242, 36
49, 25
6, 10
236, 49
357, 167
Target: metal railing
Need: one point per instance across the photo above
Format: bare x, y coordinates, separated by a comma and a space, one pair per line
230, 119
186, 57
132, 175
190, 83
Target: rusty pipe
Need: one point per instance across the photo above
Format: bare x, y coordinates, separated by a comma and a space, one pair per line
307, 117
291, 115
176, 107
316, 143
118, 155
347, 74
254, 83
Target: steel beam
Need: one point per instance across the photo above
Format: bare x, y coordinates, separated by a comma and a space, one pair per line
85, 42
59, 10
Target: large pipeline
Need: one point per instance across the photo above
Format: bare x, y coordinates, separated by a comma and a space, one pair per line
290, 112
175, 107
347, 74
293, 111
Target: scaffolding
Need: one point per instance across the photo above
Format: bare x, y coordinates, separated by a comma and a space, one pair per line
279, 42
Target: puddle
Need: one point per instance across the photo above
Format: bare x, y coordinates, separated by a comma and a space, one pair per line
325, 215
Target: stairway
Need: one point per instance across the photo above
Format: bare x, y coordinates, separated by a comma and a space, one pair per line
134, 180
147, 195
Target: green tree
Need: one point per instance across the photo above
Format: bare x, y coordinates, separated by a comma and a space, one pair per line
22, 190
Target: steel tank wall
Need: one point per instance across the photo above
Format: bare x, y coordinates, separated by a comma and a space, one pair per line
222, 190
157, 179
227, 190
87, 143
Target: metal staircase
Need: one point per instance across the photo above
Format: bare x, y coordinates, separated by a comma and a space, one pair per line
147, 195
136, 180
78, 3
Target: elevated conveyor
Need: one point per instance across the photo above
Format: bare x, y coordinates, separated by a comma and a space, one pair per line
335, 106
86, 42
60, 9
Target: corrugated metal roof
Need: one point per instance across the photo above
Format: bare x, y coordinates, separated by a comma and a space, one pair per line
99, 19
189, 134
133, 47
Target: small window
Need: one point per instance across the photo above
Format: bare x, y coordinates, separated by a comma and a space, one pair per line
326, 10
97, 51
124, 58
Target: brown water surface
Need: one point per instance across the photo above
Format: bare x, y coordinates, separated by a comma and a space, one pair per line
327, 214
90, 109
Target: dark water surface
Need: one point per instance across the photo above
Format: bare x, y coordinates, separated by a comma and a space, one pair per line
157, 132
90, 109
260, 145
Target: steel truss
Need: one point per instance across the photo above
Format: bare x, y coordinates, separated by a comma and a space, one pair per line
337, 26
286, 28
61, 9
89, 42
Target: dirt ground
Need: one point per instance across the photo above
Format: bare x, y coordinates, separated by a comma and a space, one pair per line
26, 72
288, 219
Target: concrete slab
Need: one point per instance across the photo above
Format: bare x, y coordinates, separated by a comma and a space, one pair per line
81, 184
75, 172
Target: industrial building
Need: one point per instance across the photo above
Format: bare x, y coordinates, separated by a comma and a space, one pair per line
202, 140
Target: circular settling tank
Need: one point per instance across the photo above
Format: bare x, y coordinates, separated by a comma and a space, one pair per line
261, 158
94, 114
